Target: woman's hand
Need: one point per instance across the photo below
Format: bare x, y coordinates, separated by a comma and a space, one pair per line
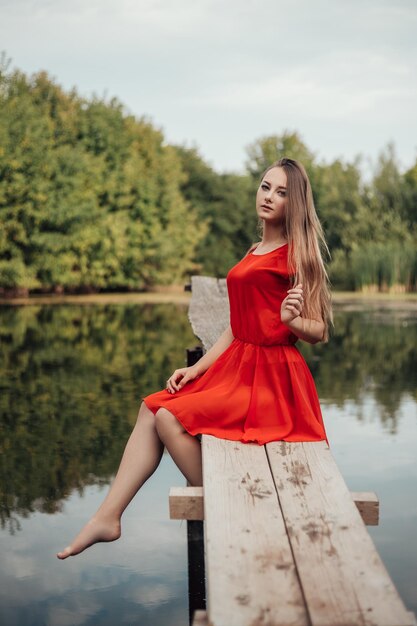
292, 305
180, 378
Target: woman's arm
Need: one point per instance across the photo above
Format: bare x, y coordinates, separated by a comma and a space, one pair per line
215, 351
186, 374
307, 329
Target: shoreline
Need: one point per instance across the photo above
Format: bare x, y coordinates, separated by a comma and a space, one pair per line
177, 295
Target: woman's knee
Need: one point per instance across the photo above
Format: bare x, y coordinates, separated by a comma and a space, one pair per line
164, 419
145, 414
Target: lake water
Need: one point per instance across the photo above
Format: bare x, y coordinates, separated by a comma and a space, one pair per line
71, 381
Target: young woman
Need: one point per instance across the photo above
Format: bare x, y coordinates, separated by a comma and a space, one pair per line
253, 385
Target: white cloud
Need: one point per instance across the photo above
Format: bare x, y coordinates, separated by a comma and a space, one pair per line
341, 86
149, 594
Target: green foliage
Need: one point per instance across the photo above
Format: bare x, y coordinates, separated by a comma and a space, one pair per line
89, 196
73, 378
384, 265
409, 204
225, 202
379, 361
370, 229
268, 149
338, 200
92, 198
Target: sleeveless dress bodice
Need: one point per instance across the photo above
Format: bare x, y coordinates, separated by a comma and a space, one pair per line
260, 388
256, 287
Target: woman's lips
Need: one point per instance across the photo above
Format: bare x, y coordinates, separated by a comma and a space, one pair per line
264, 206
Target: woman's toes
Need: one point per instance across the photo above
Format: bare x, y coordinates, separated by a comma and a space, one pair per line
65, 553
95, 531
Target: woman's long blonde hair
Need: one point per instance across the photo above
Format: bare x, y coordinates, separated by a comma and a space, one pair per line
306, 243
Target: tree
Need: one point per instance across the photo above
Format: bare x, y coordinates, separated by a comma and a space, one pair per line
226, 204
90, 196
266, 150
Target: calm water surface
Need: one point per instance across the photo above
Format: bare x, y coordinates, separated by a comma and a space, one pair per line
71, 382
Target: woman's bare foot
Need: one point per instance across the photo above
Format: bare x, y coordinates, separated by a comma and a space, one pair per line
96, 530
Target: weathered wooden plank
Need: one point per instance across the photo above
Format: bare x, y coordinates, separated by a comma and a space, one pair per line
344, 581
368, 506
251, 577
186, 503
209, 308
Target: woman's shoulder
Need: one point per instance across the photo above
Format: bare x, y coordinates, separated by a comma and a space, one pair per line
251, 248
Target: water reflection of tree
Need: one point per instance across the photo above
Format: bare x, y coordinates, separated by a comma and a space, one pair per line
72, 380
369, 355
73, 376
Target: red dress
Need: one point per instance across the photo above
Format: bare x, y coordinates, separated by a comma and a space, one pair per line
260, 388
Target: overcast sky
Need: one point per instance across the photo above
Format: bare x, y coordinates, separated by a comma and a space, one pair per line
221, 74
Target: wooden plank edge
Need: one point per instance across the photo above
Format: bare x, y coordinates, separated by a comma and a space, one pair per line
368, 506
187, 503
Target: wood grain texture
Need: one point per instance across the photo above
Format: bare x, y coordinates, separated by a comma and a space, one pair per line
285, 540
368, 506
251, 577
186, 503
344, 581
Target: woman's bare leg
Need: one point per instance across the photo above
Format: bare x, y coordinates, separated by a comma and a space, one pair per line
183, 447
141, 457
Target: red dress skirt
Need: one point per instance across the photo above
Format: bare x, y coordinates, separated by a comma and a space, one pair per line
260, 388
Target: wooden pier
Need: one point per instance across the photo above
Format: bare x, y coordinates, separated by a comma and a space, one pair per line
285, 541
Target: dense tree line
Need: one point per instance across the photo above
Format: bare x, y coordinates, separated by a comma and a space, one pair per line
89, 196
92, 198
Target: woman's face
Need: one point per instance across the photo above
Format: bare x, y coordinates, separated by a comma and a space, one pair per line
271, 198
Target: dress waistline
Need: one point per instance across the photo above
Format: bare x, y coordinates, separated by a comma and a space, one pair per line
266, 345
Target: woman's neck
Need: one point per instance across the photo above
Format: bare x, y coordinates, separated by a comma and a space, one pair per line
273, 236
